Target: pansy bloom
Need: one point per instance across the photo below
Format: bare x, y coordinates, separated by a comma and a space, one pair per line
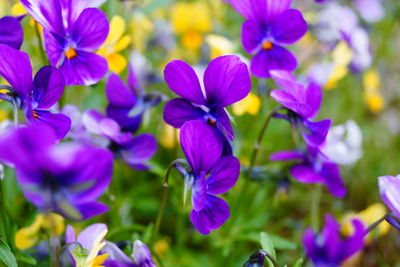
11, 32
313, 167
210, 174
269, 26
66, 178
389, 188
35, 97
72, 31
327, 248
226, 81
303, 104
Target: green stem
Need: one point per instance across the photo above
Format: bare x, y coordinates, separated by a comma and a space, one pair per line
272, 259
315, 206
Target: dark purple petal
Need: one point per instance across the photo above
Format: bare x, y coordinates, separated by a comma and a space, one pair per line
354, 243
253, 35
223, 176
212, 216
48, 86
201, 145
224, 124
118, 94
183, 81
87, 237
11, 32
333, 179
90, 30
16, 69
316, 131
199, 192
289, 27
54, 44
305, 174
121, 116
226, 81
287, 155
278, 58
59, 122
85, 69
138, 150
179, 110
263, 11
389, 188
89, 210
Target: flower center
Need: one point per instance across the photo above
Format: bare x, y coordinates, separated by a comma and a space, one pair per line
267, 45
211, 121
71, 53
35, 114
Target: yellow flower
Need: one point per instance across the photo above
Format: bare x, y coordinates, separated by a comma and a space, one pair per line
342, 56
18, 9
115, 42
250, 104
141, 28
169, 136
161, 247
219, 45
191, 21
368, 216
3, 115
372, 96
27, 237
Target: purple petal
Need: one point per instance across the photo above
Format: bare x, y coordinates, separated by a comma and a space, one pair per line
289, 101
354, 243
91, 29
115, 254
316, 131
263, 11
371, 10
89, 210
91, 120
179, 110
87, 237
133, 80
223, 176
141, 254
48, 86
278, 58
138, 150
54, 44
226, 81
72, 9
118, 94
70, 234
121, 115
183, 81
289, 27
224, 124
199, 192
252, 35
314, 99
16, 68
201, 145
85, 69
59, 122
287, 155
305, 174
333, 180
212, 216
389, 188
11, 32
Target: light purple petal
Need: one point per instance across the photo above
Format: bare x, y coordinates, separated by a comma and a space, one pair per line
253, 35
263, 11
54, 44
72, 9
179, 110
141, 254
133, 81
183, 81
59, 122
389, 188
371, 10
11, 32
115, 254
289, 101
223, 176
226, 81
70, 234
48, 86
289, 27
91, 120
201, 145
199, 192
87, 237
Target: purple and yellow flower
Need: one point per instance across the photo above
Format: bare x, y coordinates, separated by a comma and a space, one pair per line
34, 97
11, 32
327, 248
211, 174
313, 167
72, 31
66, 178
226, 81
269, 26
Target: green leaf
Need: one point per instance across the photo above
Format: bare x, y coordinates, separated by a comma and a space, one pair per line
266, 244
298, 263
26, 259
6, 255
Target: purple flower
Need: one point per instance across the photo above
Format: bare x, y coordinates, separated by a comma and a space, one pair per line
72, 31
327, 249
270, 25
314, 167
389, 188
210, 173
127, 103
133, 150
33, 97
66, 178
370, 10
226, 81
11, 32
304, 103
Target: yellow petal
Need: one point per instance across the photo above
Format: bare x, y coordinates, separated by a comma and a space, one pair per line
192, 41
160, 247
342, 54
27, 237
97, 245
54, 223
371, 80
122, 43
250, 104
100, 260
375, 101
169, 136
18, 9
338, 73
117, 29
191, 17
3, 115
116, 62
219, 45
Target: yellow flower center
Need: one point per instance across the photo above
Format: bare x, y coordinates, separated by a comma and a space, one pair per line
71, 53
35, 114
267, 45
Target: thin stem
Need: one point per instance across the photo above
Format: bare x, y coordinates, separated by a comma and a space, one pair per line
315, 204
272, 259
375, 224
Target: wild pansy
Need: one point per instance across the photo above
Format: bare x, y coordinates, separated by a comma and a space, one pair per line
72, 31
270, 25
328, 248
303, 104
226, 81
389, 188
134, 150
65, 178
11, 32
313, 167
34, 97
211, 174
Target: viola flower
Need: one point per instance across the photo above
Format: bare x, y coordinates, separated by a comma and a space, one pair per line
141, 256
226, 81
313, 167
270, 25
11, 32
36, 97
211, 174
66, 179
72, 31
327, 248
303, 104
389, 188
115, 43
127, 103
135, 151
